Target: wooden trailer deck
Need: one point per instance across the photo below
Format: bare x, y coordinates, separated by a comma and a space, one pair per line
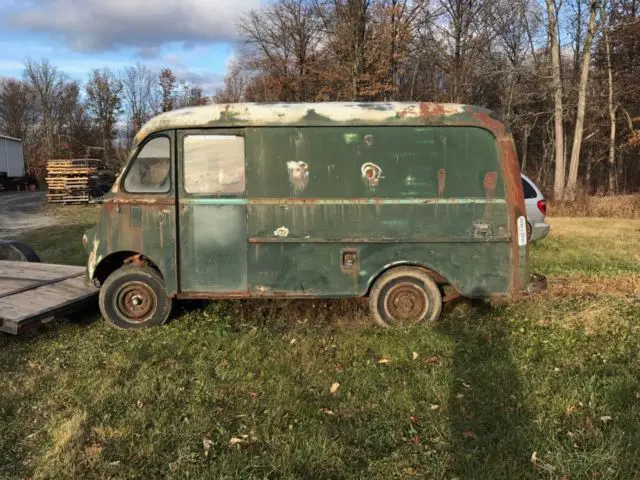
33, 292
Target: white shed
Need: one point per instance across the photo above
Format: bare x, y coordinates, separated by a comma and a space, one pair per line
11, 157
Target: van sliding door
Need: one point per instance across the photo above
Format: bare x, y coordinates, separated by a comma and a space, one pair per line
212, 211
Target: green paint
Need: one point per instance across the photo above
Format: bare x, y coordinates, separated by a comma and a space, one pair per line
307, 179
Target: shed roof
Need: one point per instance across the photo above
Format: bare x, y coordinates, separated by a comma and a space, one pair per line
322, 113
6, 137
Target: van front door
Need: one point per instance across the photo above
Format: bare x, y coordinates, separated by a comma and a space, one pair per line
212, 212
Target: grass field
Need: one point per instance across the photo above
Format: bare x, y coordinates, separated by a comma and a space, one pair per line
546, 387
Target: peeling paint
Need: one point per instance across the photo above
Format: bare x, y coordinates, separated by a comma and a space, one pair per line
371, 174
281, 232
259, 114
298, 175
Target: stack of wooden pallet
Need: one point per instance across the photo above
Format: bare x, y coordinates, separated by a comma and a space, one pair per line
77, 180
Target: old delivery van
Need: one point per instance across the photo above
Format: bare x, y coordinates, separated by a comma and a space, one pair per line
386, 200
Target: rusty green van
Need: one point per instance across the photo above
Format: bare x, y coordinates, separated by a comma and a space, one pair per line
392, 201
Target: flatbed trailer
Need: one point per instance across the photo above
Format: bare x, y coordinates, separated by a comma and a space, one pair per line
32, 293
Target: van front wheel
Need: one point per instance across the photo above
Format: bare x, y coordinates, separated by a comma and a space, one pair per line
405, 296
134, 297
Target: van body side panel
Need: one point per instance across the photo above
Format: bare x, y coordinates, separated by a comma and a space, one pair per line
432, 196
314, 269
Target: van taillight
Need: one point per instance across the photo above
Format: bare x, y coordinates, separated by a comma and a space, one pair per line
542, 206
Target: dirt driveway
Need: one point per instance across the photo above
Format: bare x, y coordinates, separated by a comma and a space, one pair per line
22, 211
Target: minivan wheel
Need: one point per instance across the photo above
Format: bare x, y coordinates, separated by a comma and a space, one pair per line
405, 296
134, 297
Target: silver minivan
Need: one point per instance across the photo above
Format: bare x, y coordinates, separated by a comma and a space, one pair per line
536, 207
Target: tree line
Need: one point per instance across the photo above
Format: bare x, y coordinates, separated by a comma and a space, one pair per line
564, 74
57, 117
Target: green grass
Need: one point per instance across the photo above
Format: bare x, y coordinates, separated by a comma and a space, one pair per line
557, 374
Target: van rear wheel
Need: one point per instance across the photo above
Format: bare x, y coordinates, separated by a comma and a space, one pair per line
405, 296
134, 297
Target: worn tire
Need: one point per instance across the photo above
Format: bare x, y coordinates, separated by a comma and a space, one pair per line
405, 296
134, 297
17, 251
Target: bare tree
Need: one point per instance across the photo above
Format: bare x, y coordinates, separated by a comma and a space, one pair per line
14, 106
582, 93
46, 82
552, 19
233, 89
283, 38
140, 95
104, 102
167, 82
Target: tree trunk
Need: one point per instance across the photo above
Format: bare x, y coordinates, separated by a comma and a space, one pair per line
612, 109
524, 148
582, 94
558, 184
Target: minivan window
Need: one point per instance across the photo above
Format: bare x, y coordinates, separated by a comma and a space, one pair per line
150, 171
214, 164
529, 191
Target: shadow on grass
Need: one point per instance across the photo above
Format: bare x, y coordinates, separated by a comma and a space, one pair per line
489, 422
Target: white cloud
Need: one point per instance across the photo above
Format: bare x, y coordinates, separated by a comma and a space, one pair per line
104, 25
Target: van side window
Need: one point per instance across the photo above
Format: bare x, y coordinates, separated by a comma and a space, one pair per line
151, 170
214, 164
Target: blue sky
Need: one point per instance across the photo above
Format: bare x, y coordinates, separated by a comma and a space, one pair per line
195, 38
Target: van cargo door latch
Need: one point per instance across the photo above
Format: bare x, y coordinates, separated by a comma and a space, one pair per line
349, 259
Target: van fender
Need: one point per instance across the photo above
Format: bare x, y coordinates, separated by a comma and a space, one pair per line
109, 264
433, 273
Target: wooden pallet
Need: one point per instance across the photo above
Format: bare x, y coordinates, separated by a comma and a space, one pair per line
77, 180
34, 292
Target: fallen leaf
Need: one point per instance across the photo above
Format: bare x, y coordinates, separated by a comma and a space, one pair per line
435, 407
253, 394
293, 340
470, 434
415, 355
384, 360
415, 440
556, 369
434, 359
93, 451
460, 395
571, 409
540, 464
605, 418
326, 411
139, 404
34, 365
206, 444
235, 441
334, 387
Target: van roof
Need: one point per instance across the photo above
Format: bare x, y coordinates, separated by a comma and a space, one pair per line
323, 114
